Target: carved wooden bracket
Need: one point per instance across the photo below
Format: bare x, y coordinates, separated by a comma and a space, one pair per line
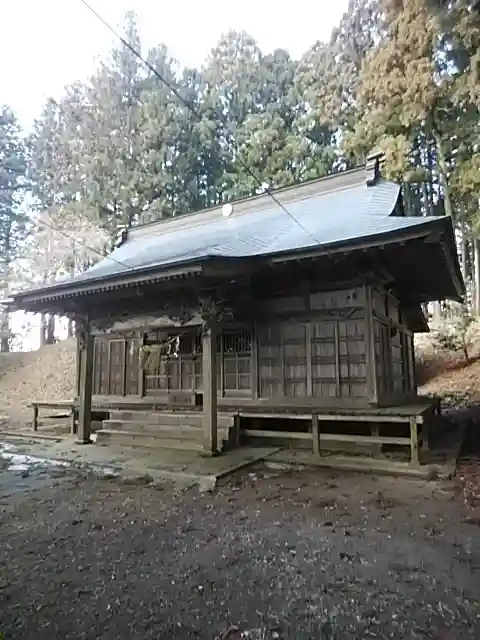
180, 314
214, 312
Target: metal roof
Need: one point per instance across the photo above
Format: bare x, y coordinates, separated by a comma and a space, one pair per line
324, 219
339, 210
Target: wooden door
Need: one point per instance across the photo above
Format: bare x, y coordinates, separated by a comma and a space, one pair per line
174, 371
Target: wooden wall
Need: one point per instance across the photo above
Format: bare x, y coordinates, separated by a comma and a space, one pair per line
115, 370
306, 348
324, 359
394, 350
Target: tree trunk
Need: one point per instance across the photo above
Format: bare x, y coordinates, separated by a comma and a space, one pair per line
476, 291
465, 247
431, 198
43, 330
443, 172
51, 329
4, 332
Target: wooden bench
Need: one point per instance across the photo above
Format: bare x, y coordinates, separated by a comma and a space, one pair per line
69, 406
414, 415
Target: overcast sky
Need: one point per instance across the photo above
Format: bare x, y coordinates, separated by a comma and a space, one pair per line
46, 44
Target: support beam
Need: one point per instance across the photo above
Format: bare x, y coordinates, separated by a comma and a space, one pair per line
425, 444
370, 351
78, 368
141, 371
375, 434
86, 384
414, 443
316, 435
73, 421
209, 384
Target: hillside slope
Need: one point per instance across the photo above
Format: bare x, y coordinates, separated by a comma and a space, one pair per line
46, 374
49, 374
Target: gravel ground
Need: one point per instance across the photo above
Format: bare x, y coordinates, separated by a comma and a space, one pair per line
270, 554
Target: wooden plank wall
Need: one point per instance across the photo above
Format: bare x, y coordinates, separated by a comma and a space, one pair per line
393, 348
115, 366
313, 346
309, 346
324, 359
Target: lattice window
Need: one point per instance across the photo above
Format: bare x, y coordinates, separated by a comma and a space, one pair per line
236, 351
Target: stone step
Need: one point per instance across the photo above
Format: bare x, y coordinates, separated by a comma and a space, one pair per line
170, 418
138, 439
162, 430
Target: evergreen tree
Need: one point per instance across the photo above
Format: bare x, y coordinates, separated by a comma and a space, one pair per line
328, 80
410, 105
12, 221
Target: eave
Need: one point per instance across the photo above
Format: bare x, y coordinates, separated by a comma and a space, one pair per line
434, 231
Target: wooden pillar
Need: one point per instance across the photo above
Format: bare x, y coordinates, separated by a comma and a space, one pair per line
370, 351
73, 421
209, 385
141, 370
78, 368
86, 384
375, 433
414, 443
254, 357
316, 435
425, 444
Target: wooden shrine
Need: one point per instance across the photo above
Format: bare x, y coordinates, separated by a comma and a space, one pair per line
310, 329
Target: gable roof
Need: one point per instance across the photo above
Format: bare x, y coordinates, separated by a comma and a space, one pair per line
316, 216
260, 227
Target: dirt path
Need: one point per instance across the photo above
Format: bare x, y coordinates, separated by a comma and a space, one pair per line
279, 555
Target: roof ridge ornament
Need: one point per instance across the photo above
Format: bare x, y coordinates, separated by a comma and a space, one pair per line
121, 236
373, 166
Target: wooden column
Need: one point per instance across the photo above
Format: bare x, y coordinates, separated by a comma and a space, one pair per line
86, 384
78, 368
209, 385
315, 435
414, 443
254, 361
370, 355
141, 371
425, 444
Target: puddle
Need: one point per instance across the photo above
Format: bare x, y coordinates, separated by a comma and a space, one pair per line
18, 467
23, 462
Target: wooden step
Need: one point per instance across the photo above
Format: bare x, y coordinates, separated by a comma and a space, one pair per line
138, 439
162, 430
170, 418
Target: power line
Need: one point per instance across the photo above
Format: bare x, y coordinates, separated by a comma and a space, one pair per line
77, 240
195, 112
83, 243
